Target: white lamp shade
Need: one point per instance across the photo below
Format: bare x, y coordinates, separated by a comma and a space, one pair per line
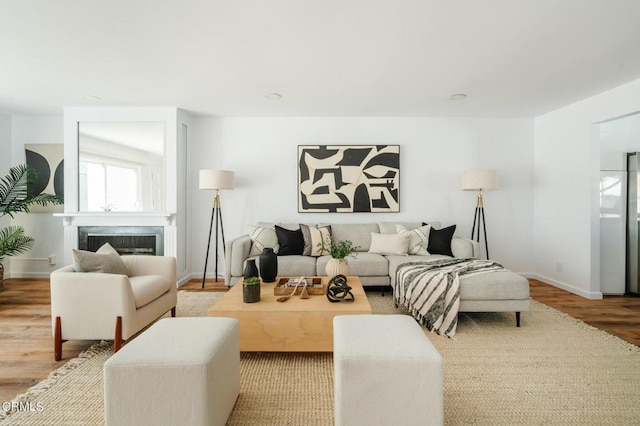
479, 180
216, 179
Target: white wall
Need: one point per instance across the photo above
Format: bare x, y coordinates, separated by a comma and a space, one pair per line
433, 154
43, 227
5, 163
567, 168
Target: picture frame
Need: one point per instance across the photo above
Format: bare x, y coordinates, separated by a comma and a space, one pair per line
348, 178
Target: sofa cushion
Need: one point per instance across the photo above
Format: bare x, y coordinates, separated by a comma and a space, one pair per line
418, 238
290, 242
440, 240
364, 264
147, 288
358, 233
297, 266
317, 240
497, 285
106, 259
389, 243
261, 237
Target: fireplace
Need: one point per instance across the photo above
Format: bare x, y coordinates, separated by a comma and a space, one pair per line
147, 240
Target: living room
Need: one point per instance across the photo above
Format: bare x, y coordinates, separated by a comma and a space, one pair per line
345, 75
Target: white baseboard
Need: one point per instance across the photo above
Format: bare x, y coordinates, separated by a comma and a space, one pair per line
595, 295
27, 275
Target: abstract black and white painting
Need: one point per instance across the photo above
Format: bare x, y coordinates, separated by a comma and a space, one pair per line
48, 162
348, 178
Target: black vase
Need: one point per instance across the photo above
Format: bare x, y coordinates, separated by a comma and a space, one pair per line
268, 265
250, 269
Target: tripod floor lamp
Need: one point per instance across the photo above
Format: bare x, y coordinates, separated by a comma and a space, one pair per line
480, 180
216, 180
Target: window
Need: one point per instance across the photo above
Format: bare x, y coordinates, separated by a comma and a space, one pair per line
109, 187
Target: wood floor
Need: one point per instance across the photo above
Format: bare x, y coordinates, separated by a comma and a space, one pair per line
26, 343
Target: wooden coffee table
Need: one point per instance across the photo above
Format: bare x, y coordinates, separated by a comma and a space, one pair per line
297, 325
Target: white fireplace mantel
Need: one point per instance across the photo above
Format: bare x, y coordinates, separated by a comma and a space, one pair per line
73, 220
116, 219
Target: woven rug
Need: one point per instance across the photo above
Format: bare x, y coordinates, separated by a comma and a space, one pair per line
552, 370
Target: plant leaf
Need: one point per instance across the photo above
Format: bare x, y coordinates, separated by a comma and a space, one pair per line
14, 195
13, 241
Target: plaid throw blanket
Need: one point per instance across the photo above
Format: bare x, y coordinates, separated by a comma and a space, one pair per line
431, 290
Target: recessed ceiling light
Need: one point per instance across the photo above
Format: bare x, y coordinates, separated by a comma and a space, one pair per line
457, 97
92, 98
273, 96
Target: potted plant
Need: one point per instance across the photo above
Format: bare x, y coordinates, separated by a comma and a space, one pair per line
251, 290
15, 198
339, 251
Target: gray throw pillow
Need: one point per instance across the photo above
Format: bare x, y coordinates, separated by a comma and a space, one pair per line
106, 260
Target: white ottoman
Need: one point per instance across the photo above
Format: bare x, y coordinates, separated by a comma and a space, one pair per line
386, 372
181, 371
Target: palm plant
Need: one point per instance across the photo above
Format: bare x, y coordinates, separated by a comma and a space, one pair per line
16, 198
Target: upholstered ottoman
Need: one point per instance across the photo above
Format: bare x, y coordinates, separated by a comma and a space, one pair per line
391, 354
181, 371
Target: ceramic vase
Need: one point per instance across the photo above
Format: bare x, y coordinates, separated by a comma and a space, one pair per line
337, 267
250, 269
268, 265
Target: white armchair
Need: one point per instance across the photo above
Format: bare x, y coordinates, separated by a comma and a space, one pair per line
94, 305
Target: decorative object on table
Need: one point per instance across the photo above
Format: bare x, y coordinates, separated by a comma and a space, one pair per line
304, 294
251, 290
284, 285
216, 180
250, 269
16, 198
268, 265
339, 250
348, 178
48, 162
338, 290
290, 295
480, 180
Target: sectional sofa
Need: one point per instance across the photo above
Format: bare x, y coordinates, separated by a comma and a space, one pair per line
499, 291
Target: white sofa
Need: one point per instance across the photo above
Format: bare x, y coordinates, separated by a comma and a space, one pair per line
500, 291
96, 305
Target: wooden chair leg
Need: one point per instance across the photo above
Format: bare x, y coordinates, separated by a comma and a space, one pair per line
117, 340
517, 319
173, 311
57, 340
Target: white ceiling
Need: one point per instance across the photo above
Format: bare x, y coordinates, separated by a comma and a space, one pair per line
326, 58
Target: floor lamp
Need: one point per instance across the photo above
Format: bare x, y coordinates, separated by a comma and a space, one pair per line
216, 180
480, 180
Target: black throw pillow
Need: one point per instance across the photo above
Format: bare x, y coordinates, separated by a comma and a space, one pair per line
440, 240
291, 242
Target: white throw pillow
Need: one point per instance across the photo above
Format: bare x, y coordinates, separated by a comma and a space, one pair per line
313, 240
418, 239
389, 243
262, 237
106, 259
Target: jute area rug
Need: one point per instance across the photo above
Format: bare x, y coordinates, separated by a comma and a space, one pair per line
552, 370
